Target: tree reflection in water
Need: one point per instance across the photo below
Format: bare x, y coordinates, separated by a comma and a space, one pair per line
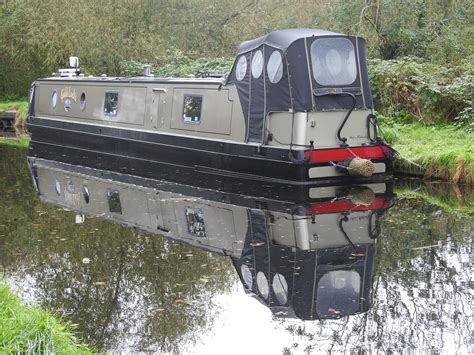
132, 293
133, 296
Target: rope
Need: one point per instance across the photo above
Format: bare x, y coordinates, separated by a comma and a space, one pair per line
398, 153
406, 159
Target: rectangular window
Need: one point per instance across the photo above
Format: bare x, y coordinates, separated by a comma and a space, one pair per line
192, 109
115, 206
195, 220
111, 103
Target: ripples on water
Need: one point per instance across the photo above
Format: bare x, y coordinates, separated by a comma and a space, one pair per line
336, 270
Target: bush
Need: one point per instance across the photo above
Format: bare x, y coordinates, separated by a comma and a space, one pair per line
181, 66
410, 89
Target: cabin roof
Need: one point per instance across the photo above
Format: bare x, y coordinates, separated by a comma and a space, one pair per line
282, 39
138, 79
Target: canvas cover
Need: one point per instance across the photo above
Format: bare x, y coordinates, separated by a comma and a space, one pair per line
296, 90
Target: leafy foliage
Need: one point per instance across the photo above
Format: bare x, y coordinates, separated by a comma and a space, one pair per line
36, 38
435, 30
411, 89
182, 65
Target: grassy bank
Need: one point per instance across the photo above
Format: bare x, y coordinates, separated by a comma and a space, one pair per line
21, 141
31, 330
22, 107
441, 152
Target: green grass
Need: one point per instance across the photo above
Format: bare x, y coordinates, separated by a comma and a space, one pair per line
22, 141
32, 330
443, 152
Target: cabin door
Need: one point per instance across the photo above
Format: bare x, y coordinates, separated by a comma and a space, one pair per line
157, 117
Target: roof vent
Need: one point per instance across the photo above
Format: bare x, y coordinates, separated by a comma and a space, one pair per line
73, 62
147, 70
73, 69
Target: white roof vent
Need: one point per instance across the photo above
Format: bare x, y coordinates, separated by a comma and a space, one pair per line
73, 69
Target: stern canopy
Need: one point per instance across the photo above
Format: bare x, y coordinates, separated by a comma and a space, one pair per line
299, 70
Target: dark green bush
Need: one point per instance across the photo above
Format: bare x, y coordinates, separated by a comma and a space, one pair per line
413, 90
181, 66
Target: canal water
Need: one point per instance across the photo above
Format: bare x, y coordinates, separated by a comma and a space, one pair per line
168, 268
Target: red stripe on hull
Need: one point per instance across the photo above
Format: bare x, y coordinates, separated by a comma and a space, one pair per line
346, 206
326, 155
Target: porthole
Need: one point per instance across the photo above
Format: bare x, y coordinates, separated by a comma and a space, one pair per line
246, 276
57, 185
280, 288
275, 67
82, 101
262, 285
86, 194
257, 64
54, 99
241, 68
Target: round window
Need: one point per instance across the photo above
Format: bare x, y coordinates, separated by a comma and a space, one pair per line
262, 285
280, 287
82, 101
275, 67
57, 185
257, 64
241, 69
54, 99
246, 276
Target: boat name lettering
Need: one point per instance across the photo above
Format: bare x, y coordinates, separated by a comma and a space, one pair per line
68, 92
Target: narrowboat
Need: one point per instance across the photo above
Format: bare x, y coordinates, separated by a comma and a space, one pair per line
310, 259
295, 108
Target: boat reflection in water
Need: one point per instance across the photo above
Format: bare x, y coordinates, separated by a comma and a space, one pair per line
310, 256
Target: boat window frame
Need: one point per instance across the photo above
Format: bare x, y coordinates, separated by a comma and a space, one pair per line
54, 99
110, 114
83, 101
275, 73
258, 62
184, 107
314, 71
195, 218
241, 67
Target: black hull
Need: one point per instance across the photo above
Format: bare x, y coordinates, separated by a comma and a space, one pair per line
162, 156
